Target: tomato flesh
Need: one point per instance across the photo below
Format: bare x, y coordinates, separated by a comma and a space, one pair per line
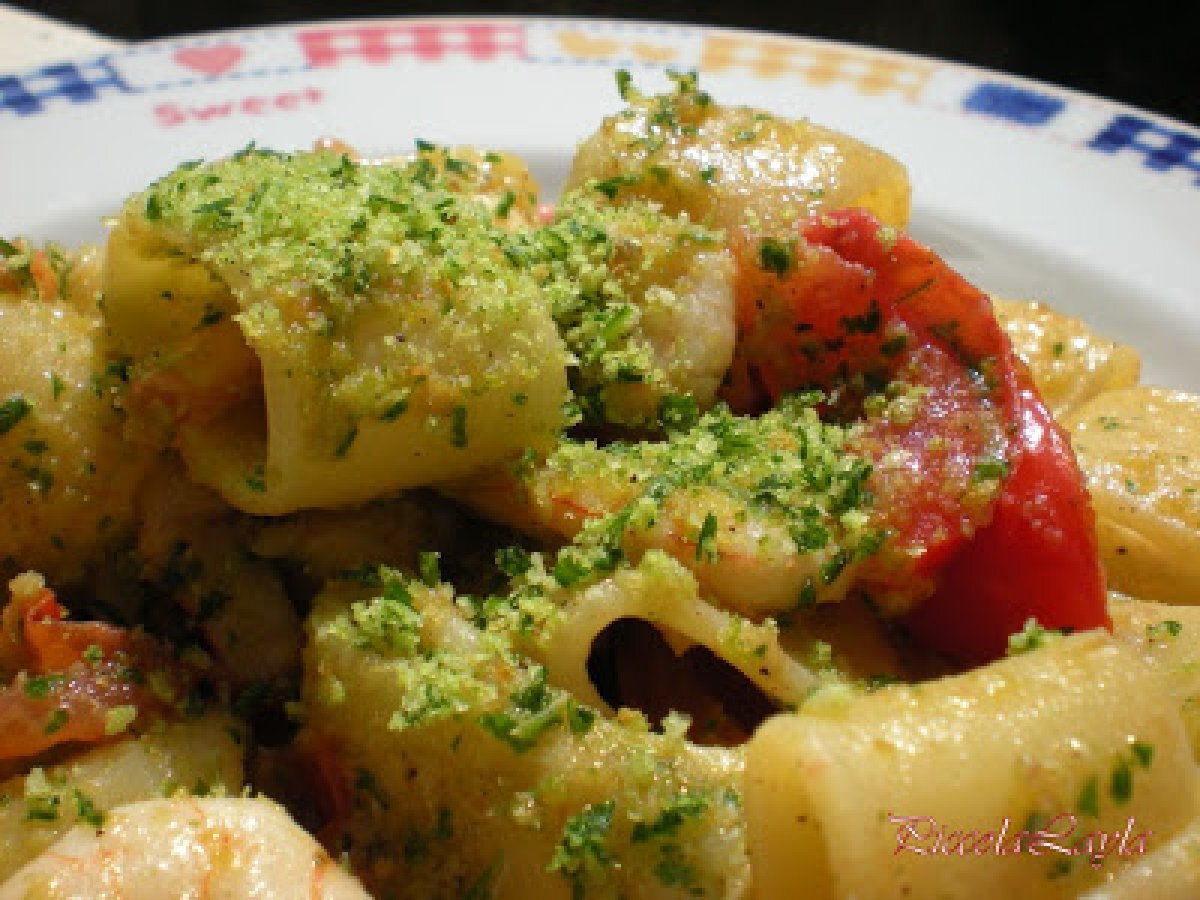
988, 518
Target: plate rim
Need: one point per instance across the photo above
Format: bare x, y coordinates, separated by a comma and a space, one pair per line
134, 48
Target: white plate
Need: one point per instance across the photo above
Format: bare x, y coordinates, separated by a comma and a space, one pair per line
1030, 190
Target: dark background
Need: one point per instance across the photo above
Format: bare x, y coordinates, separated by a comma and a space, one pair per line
1145, 53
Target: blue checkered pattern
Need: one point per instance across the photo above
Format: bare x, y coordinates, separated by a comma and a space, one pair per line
1161, 148
1014, 104
26, 95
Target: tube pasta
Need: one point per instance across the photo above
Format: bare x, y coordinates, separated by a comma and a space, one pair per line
1139, 450
644, 302
1172, 872
501, 181
548, 792
420, 356
1071, 364
780, 494
1166, 637
1015, 742
728, 165
67, 477
664, 594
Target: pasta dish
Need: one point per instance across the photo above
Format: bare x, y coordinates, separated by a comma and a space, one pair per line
375, 527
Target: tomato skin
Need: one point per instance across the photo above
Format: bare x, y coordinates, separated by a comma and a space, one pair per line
71, 675
73, 709
1036, 559
55, 643
962, 577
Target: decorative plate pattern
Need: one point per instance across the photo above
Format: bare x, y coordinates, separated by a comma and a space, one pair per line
1032, 190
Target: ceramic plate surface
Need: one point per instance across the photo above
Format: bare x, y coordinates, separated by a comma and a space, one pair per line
1030, 190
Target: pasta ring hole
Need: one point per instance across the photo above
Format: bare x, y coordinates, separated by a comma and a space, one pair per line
632, 664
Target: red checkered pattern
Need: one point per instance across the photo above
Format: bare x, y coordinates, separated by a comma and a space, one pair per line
424, 41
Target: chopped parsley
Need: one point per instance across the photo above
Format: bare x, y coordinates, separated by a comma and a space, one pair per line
1120, 785
670, 818
785, 467
673, 869
366, 783
58, 719
569, 569
428, 566
86, 811
678, 412
513, 561
458, 426
661, 174
1089, 798
459, 166
347, 235
347, 441
604, 269
776, 256
625, 85
505, 204
396, 408
39, 687
868, 322
582, 855
1032, 637
609, 187
706, 541
256, 480
389, 624
12, 411
1143, 752
533, 710
1168, 628
42, 807
990, 469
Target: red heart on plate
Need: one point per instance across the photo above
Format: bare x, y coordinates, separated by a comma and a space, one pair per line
210, 60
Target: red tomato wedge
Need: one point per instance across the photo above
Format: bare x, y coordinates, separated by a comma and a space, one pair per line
989, 523
72, 676
67, 706
55, 643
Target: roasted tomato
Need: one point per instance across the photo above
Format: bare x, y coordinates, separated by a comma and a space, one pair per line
987, 518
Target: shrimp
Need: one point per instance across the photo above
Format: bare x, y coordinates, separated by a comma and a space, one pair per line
186, 848
500, 181
728, 166
191, 540
948, 464
67, 477
643, 300
767, 513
